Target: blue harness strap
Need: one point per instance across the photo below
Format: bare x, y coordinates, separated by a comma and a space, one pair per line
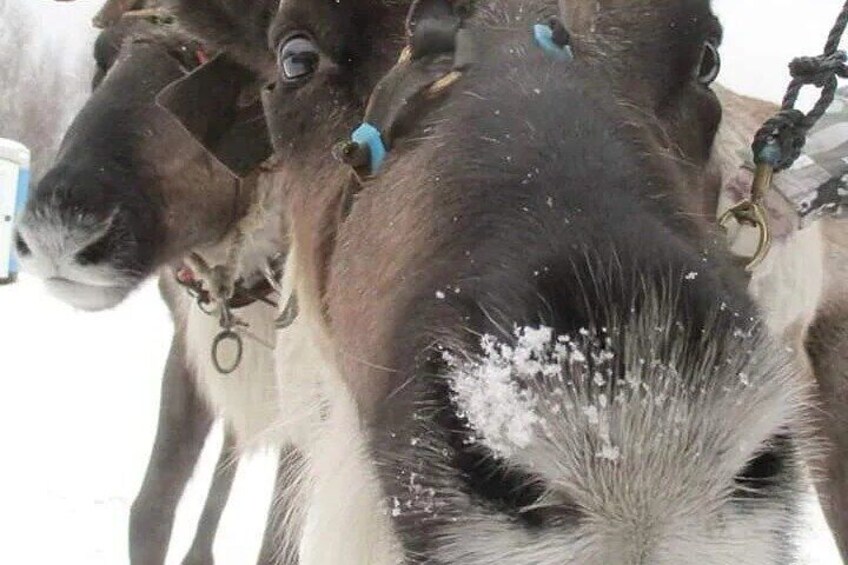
370, 137
544, 36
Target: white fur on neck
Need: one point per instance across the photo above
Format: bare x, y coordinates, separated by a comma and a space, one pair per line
341, 511
246, 399
788, 285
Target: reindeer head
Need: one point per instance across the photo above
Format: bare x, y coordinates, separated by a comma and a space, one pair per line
130, 189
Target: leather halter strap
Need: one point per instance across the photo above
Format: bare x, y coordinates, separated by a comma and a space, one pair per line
439, 49
243, 296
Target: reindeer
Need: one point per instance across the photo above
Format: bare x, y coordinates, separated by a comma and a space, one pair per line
520, 337
801, 289
361, 87
130, 195
798, 288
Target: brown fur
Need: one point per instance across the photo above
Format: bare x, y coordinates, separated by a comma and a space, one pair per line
827, 345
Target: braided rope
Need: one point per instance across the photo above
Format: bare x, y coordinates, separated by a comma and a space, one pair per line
781, 139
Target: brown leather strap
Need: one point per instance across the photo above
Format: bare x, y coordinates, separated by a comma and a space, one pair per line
206, 105
438, 50
242, 296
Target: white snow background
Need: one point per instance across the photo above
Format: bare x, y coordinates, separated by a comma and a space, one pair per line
80, 391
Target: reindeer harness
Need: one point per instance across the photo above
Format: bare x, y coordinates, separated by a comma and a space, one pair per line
439, 50
780, 141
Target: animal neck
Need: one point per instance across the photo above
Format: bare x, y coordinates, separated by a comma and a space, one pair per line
250, 252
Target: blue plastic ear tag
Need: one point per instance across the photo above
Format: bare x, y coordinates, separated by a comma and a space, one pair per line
544, 36
368, 135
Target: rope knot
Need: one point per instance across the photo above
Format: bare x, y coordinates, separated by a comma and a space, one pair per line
781, 139
818, 70
779, 142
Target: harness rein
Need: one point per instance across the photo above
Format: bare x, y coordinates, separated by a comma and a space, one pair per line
439, 50
779, 142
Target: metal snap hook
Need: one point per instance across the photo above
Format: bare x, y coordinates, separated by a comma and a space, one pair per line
752, 212
226, 319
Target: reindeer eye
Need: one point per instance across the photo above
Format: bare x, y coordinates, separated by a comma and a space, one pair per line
297, 57
710, 64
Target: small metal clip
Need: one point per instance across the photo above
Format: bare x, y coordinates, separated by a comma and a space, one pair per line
751, 212
203, 305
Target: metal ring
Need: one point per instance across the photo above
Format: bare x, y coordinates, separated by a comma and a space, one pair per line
227, 335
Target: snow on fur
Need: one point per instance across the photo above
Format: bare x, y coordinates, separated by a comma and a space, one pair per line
637, 390
494, 394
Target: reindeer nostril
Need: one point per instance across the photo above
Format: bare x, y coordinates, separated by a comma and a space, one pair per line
97, 252
21, 246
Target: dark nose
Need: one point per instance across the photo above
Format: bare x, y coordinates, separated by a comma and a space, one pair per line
92, 254
51, 238
100, 250
75, 221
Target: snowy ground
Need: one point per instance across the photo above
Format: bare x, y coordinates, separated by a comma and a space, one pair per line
78, 411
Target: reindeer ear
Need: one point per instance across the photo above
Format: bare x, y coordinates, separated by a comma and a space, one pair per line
207, 104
